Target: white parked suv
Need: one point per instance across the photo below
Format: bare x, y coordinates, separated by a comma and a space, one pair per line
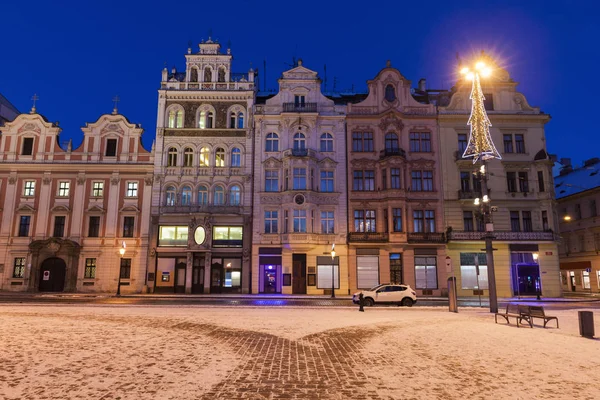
399, 294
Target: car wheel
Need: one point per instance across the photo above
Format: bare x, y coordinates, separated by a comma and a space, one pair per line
369, 302
407, 302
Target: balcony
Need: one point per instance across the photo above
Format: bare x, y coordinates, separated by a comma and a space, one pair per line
300, 108
202, 208
465, 195
376, 237
392, 153
503, 236
299, 153
426, 237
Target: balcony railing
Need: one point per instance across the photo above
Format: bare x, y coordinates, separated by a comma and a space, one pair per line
201, 208
502, 235
306, 107
462, 195
392, 153
299, 152
426, 237
368, 237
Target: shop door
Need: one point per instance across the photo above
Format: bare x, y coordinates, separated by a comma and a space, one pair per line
197, 279
299, 273
270, 281
52, 275
180, 277
216, 277
573, 282
528, 279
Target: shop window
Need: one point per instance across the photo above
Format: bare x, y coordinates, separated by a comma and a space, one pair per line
173, 235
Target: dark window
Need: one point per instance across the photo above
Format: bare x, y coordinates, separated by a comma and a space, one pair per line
27, 146
390, 93
578, 211
299, 101
545, 225
395, 178
363, 181
462, 143
362, 141
128, 223
396, 268
397, 219
299, 179
386, 227
593, 210
420, 142
271, 222
465, 181
488, 102
111, 147
427, 181
508, 144
511, 181
527, 224
519, 144
541, 181
416, 185
59, 226
468, 221
418, 221
90, 268
523, 182
391, 142
24, 225
94, 228
125, 268
515, 224
430, 220
271, 181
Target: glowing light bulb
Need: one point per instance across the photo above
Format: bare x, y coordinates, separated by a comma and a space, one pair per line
485, 198
464, 71
480, 65
486, 72
477, 201
482, 169
470, 76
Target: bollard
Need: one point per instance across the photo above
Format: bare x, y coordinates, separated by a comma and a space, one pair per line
361, 302
586, 324
452, 300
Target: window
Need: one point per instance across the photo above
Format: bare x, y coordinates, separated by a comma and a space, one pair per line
473, 271
235, 195
210, 117
19, 268
527, 224
299, 141
523, 182
204, 157
125, 268
395, 178
462, 143
390, 93
299, 179
327, 181
578, 211
299, 100
519, 144
364, 181
545, 225
427, 181
24, 222
327, 222
219, 196
221, 75
94, 227
326, 142
27, 147
391, 143
593, 209
488, 102
207, 74
386, 227
240, 121
232, 120
420, 142
423, 221
362, 141
59, 226
271, 181
272, 142
206, 119
172, 157
188, 157
468, 221
271, 221
430, 220
132, 189
194, 75
299, 220
286, 179
63, 189
384, 179
236, 157
511, 181
111, 148
508, 143
465, 181
397, 219
364, 221
173, 235
128, 224
541, 181
425, 273
515, 224
285, 221
29, 190
219, 157
202, 195
422, 181
90, 268
186, 196
97, 189
396, 268
170, 196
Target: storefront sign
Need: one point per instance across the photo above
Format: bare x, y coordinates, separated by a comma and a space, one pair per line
548, 253
46, 276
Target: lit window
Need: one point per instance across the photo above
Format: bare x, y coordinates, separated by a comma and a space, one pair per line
219, 157
132, 189
97, 189
19, 268
173, 235
90, 268
29, 190
204, 157
63, 189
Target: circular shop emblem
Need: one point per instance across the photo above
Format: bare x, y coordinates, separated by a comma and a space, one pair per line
199, 235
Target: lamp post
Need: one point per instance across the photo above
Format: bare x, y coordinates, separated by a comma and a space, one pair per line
122, 253
538, 284
333, 271
481, 148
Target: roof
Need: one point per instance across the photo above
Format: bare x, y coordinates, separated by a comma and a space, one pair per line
578, 180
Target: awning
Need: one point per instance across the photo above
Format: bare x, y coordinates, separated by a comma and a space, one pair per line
576, 265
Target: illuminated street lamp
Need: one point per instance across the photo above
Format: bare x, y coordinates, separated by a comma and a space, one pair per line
122, 253
333, 271
481, 148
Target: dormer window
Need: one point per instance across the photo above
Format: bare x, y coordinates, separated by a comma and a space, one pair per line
111, 148
27, 146
390, 93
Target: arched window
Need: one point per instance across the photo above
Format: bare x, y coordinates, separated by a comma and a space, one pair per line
204, 157
186, 196
202, 195
188, 157
172, 157
390, 93
272, 142
219, 196
240, 121
326, 142
235, 195
194, 75
202, 120
210, 119
232, 120
171, 193
236, 157
391, 142
207, 74
219, 157
299, 141
172, 119
221, 77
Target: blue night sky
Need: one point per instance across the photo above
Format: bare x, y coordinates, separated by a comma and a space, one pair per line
78, 55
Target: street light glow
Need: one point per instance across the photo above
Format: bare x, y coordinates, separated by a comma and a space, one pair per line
567, 217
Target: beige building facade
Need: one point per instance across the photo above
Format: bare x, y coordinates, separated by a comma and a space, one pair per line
66, 213
520, 188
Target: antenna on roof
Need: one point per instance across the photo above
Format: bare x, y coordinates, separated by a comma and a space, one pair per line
334, 83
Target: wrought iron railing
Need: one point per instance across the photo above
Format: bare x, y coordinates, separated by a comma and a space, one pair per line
426, 237
294, 107
502, 235
368, 237
392, 153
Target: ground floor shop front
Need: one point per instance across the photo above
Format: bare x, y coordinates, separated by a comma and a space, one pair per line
580, 274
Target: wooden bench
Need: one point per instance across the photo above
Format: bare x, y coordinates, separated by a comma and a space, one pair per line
538, 312
516, 311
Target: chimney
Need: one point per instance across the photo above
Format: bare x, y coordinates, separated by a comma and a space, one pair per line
422, 85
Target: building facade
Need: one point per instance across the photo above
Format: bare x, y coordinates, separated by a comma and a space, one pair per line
395, 214
202, 194
66, 214
520, 188
577, 196
300, 190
